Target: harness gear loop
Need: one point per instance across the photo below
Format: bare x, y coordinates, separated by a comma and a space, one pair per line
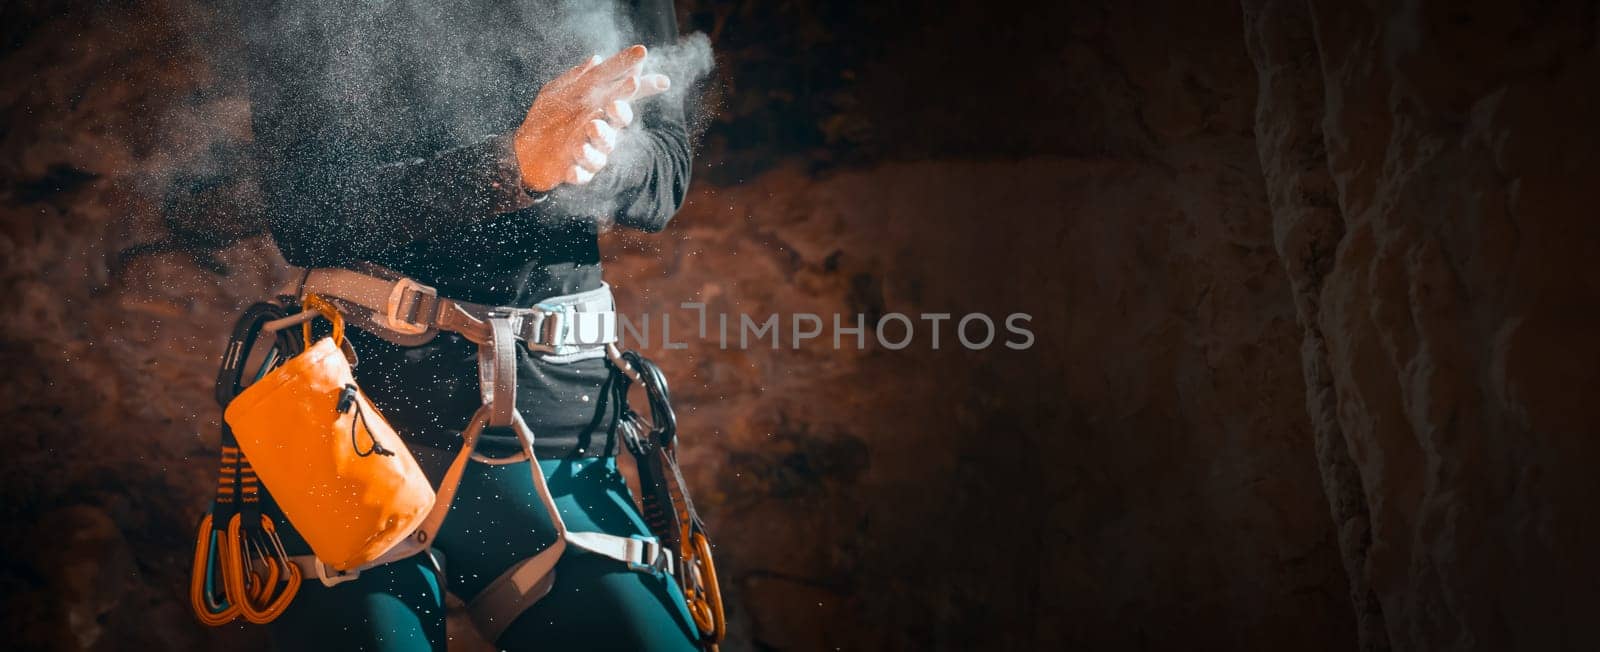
668, 510
221, 552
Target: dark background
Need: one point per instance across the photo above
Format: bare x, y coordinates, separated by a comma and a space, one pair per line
1311, 284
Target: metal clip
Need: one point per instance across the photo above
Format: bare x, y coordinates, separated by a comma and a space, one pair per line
654, 561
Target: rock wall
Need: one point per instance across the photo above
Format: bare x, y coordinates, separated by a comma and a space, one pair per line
1427, 166
107, 429
1146, 470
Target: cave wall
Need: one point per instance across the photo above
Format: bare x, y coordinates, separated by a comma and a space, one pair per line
110, 437
949, 499
1307, 281
1427, 166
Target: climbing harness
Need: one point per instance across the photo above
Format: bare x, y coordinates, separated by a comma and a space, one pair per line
237, 544
559, 330
667, 507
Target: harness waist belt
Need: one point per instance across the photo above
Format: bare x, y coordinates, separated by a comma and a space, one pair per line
408, 313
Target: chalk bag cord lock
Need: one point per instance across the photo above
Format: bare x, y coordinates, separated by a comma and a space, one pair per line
348, 401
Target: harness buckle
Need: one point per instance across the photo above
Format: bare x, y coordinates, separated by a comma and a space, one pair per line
654, 561
338, 577
406, 302
545, 327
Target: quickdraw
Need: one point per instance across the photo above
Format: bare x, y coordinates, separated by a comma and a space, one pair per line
668, 509
238, 542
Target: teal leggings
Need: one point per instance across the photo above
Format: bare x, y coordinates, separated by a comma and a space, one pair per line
496, 521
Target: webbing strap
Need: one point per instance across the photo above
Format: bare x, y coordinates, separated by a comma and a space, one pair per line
407, 313
497, 371
370, 292
510, 594
561, 325
640, 554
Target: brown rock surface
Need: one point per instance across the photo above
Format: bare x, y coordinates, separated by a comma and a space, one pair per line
1137, 496
1428, 169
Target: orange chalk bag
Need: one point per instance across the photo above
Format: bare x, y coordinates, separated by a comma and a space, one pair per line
303, 437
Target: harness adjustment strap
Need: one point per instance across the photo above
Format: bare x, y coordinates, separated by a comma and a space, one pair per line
510, 594
643, 555
497, 372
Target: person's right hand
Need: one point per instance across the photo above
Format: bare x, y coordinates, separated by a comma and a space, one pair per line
573, 125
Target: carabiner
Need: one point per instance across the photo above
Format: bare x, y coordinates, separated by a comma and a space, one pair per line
701, 591
260, 588
208, 607
291, 572
235, 568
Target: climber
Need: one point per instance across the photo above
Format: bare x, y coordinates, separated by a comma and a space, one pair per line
455, 153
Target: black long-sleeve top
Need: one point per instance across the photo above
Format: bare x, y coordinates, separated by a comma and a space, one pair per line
384, 126
382, 130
